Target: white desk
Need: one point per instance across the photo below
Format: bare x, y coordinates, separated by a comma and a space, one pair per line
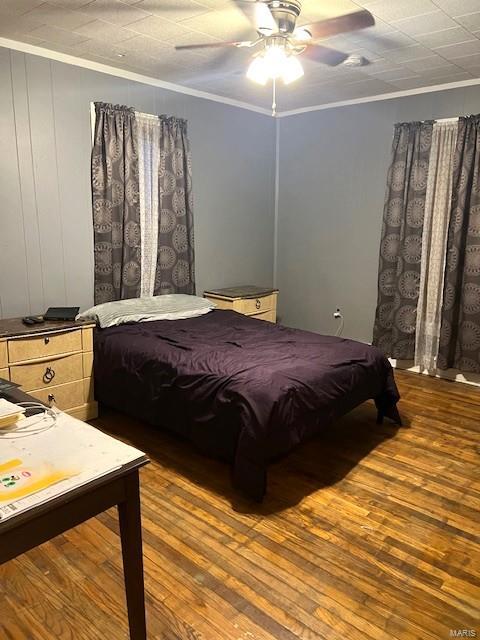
68, 503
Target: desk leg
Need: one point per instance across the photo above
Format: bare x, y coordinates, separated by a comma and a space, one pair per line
131, 536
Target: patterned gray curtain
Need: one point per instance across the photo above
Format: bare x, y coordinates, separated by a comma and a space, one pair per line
175, 261
115, 201
460, 333
401, 241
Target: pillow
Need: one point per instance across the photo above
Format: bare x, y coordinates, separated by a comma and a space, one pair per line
172, 306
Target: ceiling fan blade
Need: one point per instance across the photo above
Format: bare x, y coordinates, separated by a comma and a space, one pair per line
259, 15
212, 45
333, 26
325, 55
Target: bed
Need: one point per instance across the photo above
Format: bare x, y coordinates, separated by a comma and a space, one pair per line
241, 389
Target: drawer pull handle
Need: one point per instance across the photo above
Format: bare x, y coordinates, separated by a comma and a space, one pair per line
51, 399
258, 304
46, 340
49, 375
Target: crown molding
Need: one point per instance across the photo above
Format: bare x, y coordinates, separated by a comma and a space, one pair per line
381, 96
25, 47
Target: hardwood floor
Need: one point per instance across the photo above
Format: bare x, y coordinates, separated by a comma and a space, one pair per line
368, 532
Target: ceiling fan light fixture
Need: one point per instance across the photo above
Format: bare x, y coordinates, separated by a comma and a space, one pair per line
257, 71
282, 41
292, 70
268, 65
273, 63
275, 59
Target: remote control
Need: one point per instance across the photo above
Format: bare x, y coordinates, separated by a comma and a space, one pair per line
29, 320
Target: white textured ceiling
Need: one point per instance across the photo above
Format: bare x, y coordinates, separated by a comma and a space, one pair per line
415, 43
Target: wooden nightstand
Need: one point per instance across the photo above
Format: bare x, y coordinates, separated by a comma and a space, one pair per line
257, 302
52, 361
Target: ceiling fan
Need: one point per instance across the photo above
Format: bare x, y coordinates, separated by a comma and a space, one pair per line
281, 41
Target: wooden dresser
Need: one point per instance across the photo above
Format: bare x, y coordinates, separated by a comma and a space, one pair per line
258, 302
52, 361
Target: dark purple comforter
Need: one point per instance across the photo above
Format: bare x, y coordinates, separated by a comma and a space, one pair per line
240, 388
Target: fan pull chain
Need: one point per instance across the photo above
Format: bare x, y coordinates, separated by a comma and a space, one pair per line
274, 97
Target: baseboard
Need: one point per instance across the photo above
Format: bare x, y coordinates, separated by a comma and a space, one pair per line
447, 374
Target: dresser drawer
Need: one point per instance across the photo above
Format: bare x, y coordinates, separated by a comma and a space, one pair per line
35, 375
43, 346
269, 316
4, 374
3, 355
251, 306
223, 304
66, 396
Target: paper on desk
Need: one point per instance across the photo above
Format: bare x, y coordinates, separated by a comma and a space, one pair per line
45, 465
9, 408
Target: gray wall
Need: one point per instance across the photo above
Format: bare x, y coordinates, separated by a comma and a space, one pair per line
46, 254
332, 176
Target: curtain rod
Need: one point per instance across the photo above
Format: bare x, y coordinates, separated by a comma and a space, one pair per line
146, 115
447, 119
152, 116
455, 119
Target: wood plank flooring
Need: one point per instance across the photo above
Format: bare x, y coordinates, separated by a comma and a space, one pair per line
368, 532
